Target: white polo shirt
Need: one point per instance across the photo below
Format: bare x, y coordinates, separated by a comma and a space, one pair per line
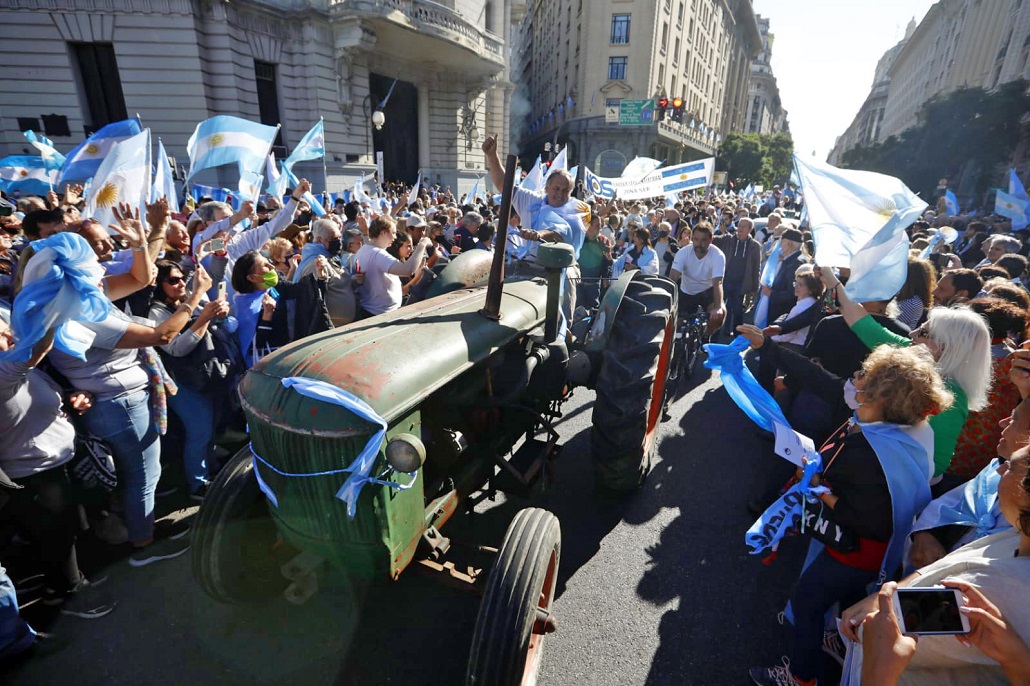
696, 274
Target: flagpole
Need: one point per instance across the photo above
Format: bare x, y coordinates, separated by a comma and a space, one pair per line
325, 171
267, 153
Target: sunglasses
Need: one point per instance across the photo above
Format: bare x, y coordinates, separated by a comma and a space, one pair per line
174, 280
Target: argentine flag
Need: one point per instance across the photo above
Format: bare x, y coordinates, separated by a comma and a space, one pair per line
1013, 207
311, 146
682, 177
413, 194
123, 177
534, 181
51, 158
639, 167
1016, 186
164, 184
951, 202
84, 160
26, 174
229, 140
858, 220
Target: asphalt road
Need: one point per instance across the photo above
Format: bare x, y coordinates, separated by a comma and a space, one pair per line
655, 588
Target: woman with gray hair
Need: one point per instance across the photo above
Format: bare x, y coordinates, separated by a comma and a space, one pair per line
959, 341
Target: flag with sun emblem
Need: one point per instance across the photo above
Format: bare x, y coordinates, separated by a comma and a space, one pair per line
858, 221
230, 140
26, 174
123, 177
84, 160
47, 151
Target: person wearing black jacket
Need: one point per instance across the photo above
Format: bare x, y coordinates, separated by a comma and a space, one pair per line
781, 292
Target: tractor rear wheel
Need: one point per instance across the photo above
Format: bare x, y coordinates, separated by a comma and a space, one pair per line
631, 383
234, 537
515, 616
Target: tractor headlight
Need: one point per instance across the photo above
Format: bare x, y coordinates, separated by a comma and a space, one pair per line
405, 453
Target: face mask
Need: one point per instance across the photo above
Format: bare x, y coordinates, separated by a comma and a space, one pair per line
270, 279
335, 246
850, 395
264, 254
663, 234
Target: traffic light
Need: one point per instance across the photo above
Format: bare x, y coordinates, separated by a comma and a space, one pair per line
677, 109
663, 102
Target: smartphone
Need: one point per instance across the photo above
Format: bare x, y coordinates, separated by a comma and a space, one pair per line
930, 611
221, 290
217, 244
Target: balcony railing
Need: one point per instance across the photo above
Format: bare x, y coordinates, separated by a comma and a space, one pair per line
425, 14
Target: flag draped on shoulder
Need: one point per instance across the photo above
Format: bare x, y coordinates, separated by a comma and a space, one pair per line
85, 158
26, 174
123, 177
229, 140
164, 183
858, 221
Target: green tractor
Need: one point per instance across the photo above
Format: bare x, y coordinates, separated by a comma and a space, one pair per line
439, 437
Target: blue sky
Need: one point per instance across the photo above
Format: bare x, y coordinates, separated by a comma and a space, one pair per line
824, 55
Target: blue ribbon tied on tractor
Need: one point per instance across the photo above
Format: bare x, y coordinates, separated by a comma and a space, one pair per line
360, 469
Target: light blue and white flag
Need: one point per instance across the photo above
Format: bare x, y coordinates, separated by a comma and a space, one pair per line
250, 185
276, 181
639, 167
951, 202
224, 140
560, 162
26, 174
1016, 186
123, 177
749, 192
574, 172
471, 197
164, 184
359, 191
1013, 207
51, 158
683, 177
310, 199
413, 195
945, 234
858, 221
85, 158
310, 147
534, 181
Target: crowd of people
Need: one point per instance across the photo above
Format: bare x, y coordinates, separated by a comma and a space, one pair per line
190, 300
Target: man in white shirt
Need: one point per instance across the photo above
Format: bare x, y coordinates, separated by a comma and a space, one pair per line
699, 269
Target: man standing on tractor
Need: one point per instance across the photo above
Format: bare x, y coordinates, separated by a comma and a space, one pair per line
548, 216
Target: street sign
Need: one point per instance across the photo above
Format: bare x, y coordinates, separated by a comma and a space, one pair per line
611, 114
636, 112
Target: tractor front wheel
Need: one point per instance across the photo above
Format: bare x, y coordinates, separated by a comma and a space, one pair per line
234, 537
516, 614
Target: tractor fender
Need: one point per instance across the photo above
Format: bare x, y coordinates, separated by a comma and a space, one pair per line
600, 331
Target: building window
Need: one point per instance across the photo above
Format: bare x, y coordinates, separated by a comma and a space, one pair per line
676, 53
620, 29
679, 15
665, 36
617, 68
101, 85
268, 96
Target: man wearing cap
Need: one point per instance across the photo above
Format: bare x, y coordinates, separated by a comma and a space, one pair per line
781, 292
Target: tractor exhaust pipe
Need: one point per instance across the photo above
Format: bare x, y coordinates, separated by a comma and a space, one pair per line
492, 309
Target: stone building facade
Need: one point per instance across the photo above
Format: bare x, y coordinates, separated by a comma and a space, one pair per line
73, 65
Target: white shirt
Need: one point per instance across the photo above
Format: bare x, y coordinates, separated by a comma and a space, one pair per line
696, 274
381, 291
796, 337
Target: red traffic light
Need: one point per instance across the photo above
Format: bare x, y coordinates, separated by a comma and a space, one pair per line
663, 102
677, 103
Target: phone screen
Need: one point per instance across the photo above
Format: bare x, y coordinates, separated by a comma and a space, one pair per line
934, 611
217, 244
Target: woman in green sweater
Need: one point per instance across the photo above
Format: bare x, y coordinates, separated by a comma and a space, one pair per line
960, 343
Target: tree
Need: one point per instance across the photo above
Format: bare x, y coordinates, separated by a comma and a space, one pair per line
967, 129
757, 158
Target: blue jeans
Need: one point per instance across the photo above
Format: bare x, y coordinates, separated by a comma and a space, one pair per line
823, 583
197, 412
16, 636
124, 424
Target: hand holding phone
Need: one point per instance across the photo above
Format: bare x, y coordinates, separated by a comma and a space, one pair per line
221, 290
929, 611
217, 245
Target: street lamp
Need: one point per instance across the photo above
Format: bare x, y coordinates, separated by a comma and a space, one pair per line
378, 119
375, 117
